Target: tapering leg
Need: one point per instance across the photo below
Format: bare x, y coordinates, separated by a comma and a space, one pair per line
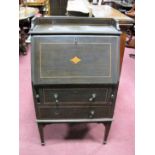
107, 129
41, 132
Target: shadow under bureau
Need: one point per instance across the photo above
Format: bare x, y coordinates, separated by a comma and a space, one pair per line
75, 65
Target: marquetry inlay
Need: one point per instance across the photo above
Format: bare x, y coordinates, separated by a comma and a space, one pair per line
75, 60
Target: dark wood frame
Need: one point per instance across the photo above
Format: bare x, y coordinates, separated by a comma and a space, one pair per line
106, 121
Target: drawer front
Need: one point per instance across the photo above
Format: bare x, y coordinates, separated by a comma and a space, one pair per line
75, 112
75, 96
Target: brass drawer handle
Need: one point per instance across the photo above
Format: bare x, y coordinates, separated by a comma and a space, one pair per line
56, 104
56, 98
91, 114
92, 98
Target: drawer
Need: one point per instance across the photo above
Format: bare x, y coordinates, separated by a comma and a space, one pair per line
75, 112
77, 96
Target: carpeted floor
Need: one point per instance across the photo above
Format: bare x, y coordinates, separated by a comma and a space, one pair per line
85, 139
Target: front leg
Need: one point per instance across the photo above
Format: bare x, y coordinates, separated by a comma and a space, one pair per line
107, 129
41, 132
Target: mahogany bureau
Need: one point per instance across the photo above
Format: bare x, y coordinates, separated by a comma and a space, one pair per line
75, 65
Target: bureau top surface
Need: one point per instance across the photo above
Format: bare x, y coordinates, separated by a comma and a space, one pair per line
73, 25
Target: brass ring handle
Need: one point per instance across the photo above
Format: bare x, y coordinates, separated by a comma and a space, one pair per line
92, 98
56, 98
92, 113
56, 104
